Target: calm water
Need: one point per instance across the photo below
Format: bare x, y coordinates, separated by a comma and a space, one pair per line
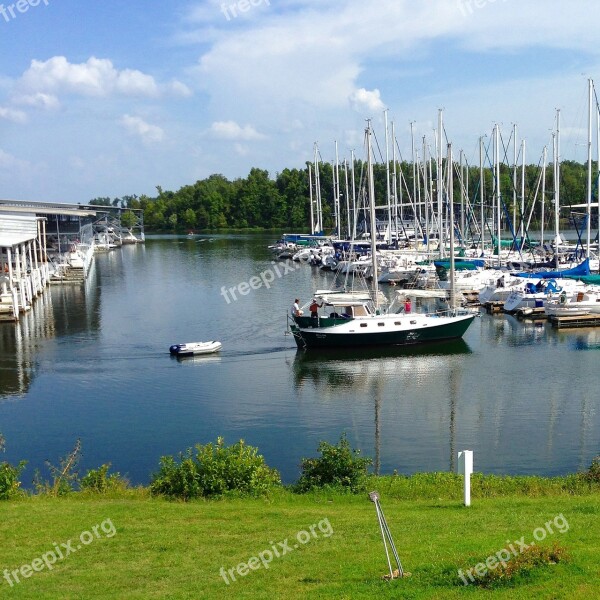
92, 362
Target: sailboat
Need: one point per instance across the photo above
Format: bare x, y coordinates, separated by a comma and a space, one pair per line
353, 322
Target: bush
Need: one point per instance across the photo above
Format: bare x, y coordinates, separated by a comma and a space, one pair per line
339, 467
64, 477
593, 473
100, 482
521, 565
214, 470
9, 479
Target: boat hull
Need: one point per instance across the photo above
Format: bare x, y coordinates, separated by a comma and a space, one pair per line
422, 330
195, 348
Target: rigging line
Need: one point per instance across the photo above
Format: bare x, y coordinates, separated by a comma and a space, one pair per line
378, 148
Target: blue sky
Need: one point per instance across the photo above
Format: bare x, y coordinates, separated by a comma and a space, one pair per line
113, 98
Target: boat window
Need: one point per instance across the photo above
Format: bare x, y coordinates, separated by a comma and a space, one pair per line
397, 323
413, 322
381, 324
363, 324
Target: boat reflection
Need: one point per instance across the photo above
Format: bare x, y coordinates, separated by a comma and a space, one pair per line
63, 310
399, 383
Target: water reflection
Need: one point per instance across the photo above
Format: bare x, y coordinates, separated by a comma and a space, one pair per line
67, 310
392, 380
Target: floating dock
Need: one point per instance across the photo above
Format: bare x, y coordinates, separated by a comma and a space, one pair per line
573, 322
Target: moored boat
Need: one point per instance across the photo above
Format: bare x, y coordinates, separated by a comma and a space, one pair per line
195, 348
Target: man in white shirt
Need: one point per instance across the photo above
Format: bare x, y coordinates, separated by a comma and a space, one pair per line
296, 312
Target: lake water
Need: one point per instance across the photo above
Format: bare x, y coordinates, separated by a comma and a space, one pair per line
92, 362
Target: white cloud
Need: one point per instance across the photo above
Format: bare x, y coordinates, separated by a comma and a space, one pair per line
370, 101
179, 89
38, 100
230, 130
9, 162
138, 127
10, 114
95, 77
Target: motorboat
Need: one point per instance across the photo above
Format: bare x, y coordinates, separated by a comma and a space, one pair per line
195, 348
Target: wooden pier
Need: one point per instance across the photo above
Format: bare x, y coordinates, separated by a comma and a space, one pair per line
573, 322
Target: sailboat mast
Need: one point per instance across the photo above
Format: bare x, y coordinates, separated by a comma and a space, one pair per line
589, 181
498, 192
387, 176
395, 182
557, 185
373, 219
336, 192
451, 219
347, 199
439, 183
523, 197
481, 192
318, 191
310, 188
545, 161
354, 215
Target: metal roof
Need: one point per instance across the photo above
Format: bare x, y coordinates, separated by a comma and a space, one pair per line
10, 240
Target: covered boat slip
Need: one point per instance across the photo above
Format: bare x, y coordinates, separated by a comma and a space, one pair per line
24, 269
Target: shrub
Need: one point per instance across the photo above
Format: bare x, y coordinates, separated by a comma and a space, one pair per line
9, 476
339, 467
9, 479
64, 477
593, 473
100, 482
214, 470
528, 560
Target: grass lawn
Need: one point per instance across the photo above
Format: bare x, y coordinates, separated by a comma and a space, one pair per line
153, 548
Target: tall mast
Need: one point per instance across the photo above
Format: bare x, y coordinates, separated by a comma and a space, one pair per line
387, 176
589, 181
557, 184
451, 219
439, 183
498, 192
347, 199
318, 191
336, 192
373, 219
310, 188
395, 181
481, 192
462, 196
545, 161
414, 173
523, 196
354, 215
515, 158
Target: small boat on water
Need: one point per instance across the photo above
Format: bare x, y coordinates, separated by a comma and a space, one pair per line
195, 348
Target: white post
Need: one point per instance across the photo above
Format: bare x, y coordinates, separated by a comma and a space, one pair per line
465, 467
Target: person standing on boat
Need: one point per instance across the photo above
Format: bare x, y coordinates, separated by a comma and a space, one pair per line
314, 309
407, 306
296, 312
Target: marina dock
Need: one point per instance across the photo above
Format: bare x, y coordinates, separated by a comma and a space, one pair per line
44, 243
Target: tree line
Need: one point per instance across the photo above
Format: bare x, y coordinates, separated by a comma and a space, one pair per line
259, 201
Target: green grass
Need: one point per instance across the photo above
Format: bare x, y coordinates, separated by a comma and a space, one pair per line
167, 549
